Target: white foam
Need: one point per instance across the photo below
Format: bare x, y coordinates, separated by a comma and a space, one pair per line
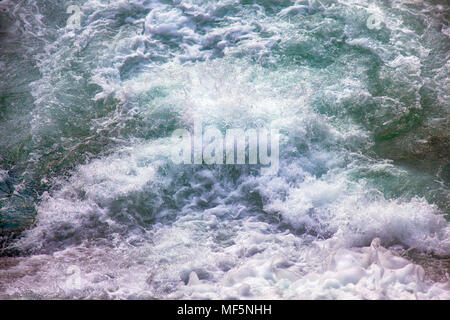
105, 232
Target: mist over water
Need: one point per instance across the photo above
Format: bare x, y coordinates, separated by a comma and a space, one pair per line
92, 206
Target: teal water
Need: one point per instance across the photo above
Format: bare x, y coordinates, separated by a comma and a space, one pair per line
91, 205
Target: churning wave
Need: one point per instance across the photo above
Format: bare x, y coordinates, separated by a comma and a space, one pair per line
91, 205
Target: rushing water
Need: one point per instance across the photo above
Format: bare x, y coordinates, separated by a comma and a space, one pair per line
91, 205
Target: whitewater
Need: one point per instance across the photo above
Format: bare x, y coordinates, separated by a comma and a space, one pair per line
92, 205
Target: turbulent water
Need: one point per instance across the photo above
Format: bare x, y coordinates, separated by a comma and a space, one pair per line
91, 205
